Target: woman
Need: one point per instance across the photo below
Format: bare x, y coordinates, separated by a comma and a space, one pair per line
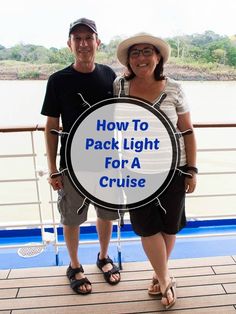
144, 56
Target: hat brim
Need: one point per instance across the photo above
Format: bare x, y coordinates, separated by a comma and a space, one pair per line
84, 24
160, 44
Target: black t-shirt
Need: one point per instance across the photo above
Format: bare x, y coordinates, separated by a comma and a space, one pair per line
62, 97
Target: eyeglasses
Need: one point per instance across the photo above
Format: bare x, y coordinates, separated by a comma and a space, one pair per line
146, 52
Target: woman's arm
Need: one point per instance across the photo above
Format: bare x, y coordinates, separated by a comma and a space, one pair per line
184, 123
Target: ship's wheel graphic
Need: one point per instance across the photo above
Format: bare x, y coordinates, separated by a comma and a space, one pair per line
122, 153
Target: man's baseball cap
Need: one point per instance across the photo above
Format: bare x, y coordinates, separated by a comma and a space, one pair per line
83, 21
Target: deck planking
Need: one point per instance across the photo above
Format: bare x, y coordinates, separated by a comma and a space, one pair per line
204, 285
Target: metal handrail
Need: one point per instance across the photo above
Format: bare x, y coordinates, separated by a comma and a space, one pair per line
8, 129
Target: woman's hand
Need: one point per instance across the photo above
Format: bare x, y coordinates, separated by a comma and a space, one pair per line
190, 183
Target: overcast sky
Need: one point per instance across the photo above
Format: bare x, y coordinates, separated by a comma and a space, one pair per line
46, 22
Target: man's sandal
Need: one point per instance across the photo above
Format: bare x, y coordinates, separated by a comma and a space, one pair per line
172, 287
152, 288
75, 284
107, 275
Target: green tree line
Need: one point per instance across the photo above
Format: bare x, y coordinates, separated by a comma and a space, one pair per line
208, 47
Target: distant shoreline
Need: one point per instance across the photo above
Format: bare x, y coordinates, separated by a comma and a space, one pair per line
178, 72
188, 73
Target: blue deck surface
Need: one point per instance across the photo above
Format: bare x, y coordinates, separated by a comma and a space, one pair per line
188, 245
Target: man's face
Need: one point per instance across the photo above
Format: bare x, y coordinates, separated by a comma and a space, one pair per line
83, 43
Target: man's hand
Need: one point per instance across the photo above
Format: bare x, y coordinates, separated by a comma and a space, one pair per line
55, 181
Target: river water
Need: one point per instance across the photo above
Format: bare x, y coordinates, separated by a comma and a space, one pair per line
21, 101
213, 102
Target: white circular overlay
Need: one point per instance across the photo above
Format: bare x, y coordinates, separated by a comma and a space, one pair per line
122, 153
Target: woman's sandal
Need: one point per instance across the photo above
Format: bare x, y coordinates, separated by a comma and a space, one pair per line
107, 275
151, 288
172, 287
75, 284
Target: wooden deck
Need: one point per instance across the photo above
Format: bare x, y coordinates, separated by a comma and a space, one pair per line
205, 285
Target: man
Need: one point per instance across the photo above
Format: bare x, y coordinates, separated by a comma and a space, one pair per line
66, 92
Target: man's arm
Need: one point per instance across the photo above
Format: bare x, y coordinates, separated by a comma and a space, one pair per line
51, 148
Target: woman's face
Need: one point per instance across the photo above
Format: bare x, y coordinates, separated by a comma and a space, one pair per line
143, 59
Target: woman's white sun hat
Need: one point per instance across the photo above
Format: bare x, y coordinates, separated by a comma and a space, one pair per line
142, 38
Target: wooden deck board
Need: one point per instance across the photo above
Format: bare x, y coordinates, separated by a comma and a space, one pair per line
126, 286
8, 293
4, 273
20, 282
230, 288
100, 309
224, 269
205, 285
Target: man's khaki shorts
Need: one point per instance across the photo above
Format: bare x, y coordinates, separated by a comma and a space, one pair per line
70, 200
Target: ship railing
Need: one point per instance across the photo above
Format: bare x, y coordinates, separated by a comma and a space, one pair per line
39, 175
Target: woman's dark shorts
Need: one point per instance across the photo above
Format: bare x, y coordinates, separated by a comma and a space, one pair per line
151, 218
